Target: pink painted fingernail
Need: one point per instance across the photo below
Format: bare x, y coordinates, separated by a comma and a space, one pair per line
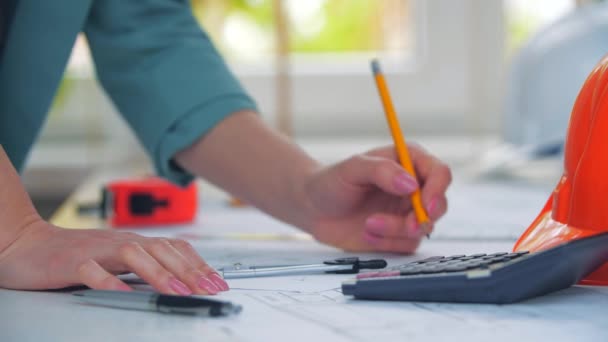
208, 286
179, 287
371, 238
219, 282
405, 183
376, 224
124, 287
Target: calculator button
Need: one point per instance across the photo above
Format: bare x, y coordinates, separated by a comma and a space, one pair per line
431, 259
433, 269
452, 257
470, 257
516, 254
455, 268
498, 254
474, 264
500, 259
478, 255
513, 255
433, 263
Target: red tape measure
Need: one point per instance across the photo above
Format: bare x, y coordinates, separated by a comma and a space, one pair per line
148, 201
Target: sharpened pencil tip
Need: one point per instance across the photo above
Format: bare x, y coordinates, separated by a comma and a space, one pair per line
376, 66
426, 229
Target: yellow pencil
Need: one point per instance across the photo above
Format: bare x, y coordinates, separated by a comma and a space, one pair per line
400, 146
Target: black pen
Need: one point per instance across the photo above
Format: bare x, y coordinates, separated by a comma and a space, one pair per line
153, 301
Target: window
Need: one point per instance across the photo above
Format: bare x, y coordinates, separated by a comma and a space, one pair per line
524, 18
444, 61
440, 56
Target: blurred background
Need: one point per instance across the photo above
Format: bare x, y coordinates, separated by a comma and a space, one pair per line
455, 69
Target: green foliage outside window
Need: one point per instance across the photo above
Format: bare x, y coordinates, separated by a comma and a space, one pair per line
315, 26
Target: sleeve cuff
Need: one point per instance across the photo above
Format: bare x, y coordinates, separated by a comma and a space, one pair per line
189, 128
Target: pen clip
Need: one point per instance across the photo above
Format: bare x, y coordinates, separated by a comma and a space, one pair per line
356, 264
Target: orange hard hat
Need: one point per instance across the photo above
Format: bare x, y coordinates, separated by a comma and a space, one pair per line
578, 207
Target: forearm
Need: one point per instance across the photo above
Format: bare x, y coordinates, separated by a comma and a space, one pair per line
17, 212
248, 159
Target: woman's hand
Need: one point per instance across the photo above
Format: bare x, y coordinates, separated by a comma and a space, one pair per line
363, 203
47, 257
360, 204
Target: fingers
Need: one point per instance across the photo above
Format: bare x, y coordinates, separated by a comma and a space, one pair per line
391, 244
437, 206
170, 266
434, 176
426, 164
380, 167
195, 259
388, 175
140, 262
434, 190
95, 277
392, 233
171, 259
393, 226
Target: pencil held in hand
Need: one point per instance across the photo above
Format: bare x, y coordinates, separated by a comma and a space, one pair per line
400, 145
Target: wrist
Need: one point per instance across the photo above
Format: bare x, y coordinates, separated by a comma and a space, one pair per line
28, 225
17, 213
302, 211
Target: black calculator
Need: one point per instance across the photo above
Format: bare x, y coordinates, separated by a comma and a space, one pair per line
497, 278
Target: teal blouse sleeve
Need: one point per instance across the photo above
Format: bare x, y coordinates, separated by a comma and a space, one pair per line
163, 74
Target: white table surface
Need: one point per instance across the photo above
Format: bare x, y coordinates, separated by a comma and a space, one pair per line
310, 308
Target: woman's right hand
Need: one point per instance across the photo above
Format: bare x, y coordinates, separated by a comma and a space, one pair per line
44, 256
